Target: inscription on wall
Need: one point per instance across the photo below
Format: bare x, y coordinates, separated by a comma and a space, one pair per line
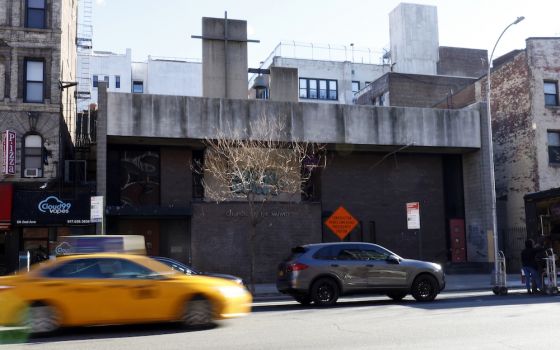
269, 213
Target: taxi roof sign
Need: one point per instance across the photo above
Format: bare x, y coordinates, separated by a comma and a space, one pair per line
87, 244
341, 222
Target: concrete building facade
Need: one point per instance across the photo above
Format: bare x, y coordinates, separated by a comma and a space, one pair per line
378, 159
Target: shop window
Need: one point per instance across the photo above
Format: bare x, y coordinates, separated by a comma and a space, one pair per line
34, 80
554, 147
32, 156
35, 14
551, 93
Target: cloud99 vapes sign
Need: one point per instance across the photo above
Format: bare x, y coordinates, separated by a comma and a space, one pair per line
38, 208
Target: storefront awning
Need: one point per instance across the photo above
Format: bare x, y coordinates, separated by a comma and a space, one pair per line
6, 198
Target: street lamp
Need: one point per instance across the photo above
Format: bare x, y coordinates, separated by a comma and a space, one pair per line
491, 153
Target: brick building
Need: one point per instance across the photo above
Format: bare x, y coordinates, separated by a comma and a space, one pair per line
526, 135
37, 72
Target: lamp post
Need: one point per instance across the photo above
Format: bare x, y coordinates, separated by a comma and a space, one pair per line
491, 154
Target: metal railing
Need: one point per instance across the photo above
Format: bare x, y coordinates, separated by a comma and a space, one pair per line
322, 52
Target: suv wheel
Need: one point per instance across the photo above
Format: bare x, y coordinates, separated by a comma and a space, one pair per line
324, 292
424, 288
397, 296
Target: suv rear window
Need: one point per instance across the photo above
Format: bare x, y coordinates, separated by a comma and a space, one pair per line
297, 252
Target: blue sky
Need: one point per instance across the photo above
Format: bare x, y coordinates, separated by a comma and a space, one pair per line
164, 27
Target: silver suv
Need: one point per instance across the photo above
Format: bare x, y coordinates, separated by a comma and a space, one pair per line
320, 273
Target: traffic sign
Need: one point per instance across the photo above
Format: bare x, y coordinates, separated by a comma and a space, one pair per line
341, 222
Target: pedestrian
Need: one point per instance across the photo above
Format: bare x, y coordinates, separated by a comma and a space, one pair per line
530, 267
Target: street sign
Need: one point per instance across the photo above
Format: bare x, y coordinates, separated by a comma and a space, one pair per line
96, 211
413, 215
341, 222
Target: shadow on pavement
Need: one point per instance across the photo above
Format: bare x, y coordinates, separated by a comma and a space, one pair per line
107, 332
443, 301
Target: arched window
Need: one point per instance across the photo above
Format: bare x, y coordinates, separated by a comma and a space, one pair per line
32, 156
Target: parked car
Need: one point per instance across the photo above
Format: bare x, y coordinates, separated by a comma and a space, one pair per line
109, 288
320, 273
188, 270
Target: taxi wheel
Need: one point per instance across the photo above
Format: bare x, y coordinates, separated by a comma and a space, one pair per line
197, 312
41, 318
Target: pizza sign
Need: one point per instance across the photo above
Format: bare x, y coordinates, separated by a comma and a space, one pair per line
9, 152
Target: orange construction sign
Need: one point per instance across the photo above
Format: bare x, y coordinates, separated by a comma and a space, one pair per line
341, 222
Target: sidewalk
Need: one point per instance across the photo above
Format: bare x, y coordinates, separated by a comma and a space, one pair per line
454, 283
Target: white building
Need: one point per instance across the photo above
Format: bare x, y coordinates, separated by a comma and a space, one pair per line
160, 76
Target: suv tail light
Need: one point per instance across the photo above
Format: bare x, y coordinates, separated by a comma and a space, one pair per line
296, 267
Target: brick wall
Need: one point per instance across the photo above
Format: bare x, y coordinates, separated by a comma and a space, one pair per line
219, 236
376, 190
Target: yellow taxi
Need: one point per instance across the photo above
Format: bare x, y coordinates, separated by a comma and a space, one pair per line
113, 288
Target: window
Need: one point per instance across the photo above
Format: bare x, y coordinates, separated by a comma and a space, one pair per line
327, 253
355, 86
554, 147
117, 81
32, 155
373, 253
550, 93
138, 87
106, 79
322, 89
35, 14
100, 268
95, 81
83, 268
34, 80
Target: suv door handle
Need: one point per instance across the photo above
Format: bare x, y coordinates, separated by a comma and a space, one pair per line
334, 265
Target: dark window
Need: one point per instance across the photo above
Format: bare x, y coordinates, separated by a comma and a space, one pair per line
327, 253
197, 173
554, 147
35, 14
137, 87
34, 80
82, 268
303, 88
349, 254
106, 79
550, 93
123, 269
139, 178
333, 90
322, 89
32, 155
117, 81
355, 86
95, 81
373, 253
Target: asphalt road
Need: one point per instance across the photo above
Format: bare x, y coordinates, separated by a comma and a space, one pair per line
474, 320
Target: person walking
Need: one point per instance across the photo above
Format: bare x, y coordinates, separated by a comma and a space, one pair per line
530, 267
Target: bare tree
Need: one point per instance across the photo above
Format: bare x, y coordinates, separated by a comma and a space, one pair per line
256, 165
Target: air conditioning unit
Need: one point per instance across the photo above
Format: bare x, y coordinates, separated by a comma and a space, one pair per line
32, 172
